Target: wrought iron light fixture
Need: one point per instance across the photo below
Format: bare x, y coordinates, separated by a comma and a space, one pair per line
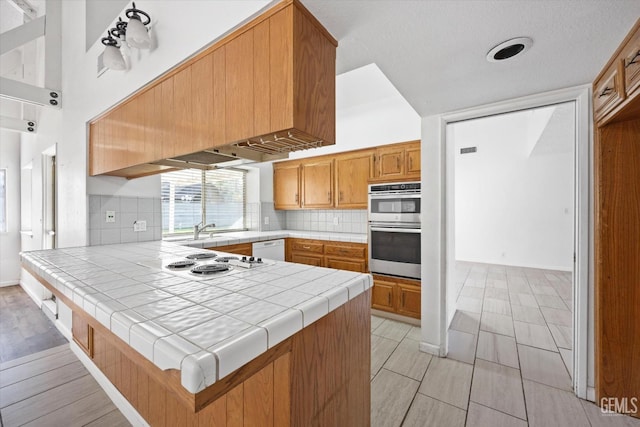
137, 33
125, 35
112, 57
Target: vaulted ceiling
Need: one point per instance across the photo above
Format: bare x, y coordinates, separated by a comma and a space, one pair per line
434, 51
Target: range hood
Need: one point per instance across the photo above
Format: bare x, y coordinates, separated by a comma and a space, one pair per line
254, 150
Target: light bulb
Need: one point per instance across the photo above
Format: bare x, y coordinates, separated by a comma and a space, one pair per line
113, 59
137, 34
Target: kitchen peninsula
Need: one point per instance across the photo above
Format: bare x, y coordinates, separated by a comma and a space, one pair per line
276, 344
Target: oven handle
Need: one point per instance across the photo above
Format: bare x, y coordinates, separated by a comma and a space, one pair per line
396, 230
398, 195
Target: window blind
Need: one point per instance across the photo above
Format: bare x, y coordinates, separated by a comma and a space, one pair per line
192, 196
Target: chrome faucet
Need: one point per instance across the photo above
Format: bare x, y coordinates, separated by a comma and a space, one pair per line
197, 229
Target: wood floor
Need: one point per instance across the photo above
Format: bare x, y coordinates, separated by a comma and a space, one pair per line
42, 383
24, 328
509, 345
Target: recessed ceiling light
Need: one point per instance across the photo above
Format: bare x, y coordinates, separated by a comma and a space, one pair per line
509, 49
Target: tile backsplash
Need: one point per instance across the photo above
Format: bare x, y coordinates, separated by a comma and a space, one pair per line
277, 219
345, 221
127, 211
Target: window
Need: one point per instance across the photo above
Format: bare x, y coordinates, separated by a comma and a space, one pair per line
3, 200
192, 196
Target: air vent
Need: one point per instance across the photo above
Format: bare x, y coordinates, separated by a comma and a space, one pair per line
468, 150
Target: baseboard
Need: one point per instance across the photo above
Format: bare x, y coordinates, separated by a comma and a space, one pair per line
9, 283
591, 394
536, 266
118, 399
393, 316
436, 350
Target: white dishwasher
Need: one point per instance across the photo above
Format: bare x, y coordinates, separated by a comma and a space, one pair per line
271, 249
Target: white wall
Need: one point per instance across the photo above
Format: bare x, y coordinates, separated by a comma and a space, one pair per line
513, 200
10, 241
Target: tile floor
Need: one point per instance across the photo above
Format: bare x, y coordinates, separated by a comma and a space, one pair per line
508, 364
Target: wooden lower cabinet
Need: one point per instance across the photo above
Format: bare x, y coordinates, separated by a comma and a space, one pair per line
240, 249
396, 295
82, 333
326, 253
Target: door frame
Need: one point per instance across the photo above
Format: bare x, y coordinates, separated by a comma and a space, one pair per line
49, 195
583, 353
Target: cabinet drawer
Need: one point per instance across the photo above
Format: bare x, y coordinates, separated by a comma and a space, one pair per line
312, 247
314, 260
631, 56
345, 264
607, 92
345, 251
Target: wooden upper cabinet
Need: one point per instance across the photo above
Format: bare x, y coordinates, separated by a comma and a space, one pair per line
631, 63
390, 162
182, 98
201, 91
412, 159
164, 98
286, 186
397, 162
239, 91
272, 78
353, 172
317, 184
261, 79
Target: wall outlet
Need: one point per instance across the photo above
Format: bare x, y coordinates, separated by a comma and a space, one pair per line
335, 220
140, 226
266, 220
111, 216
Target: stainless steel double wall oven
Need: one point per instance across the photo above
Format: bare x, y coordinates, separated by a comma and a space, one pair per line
394, 229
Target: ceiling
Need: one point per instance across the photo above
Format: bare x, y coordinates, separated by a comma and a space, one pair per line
434, 51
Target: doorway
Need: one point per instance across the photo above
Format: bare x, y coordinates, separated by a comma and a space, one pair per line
49, 198
582, 340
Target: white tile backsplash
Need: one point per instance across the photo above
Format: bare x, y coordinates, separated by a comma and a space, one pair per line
128, 210
348, 221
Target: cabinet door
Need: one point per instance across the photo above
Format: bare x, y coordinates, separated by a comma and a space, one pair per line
152, 132
352, 178
382, 295
315, 260
261, 80
164, 99
82, 333
239, 87
412, 157
286, 186
390, 162
346, 264
409, 300
306, 246
201, 105
317, 179
182, 97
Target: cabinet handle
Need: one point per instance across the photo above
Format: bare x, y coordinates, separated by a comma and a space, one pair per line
329, 195
606, 91
306, 247
633, 60
296, 197
403, 294
389, 295
398, 162
410, 162
341, 196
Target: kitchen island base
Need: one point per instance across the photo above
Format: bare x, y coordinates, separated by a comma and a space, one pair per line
319, 376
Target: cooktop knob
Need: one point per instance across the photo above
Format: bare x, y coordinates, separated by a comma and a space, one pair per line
251, 259
259, 260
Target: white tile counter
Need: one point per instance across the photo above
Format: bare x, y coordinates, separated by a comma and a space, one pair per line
223, 239
206, 328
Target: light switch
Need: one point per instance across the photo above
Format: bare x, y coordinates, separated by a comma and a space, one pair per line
111, 216
266, 220
335, 220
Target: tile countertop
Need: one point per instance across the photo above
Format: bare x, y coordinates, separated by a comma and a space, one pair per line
223, 239
204, 328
